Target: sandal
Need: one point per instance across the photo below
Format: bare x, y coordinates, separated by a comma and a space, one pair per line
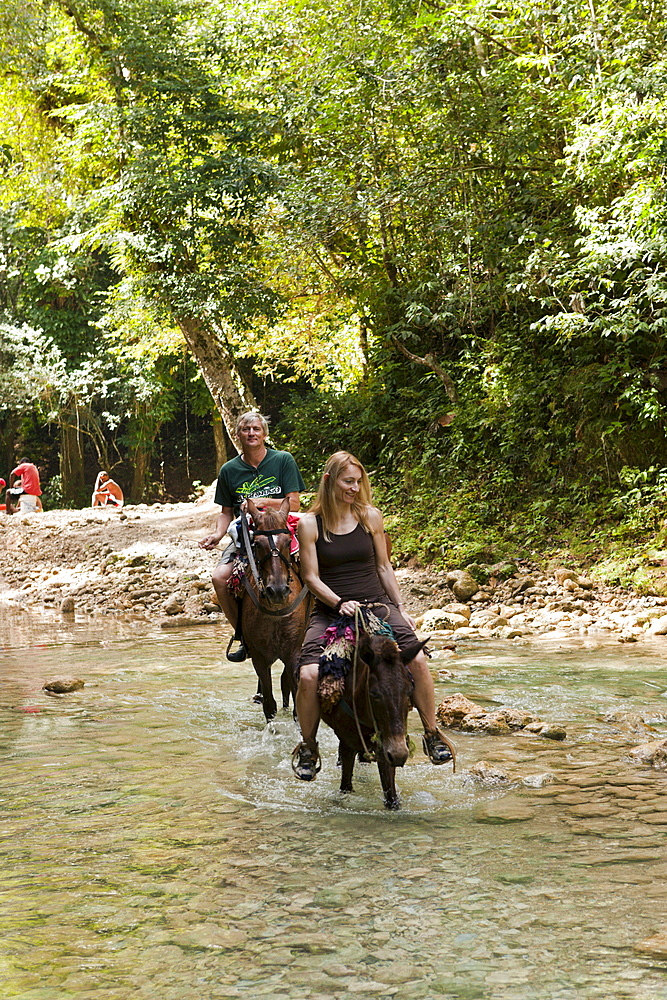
240, 654
438, 748
306, 762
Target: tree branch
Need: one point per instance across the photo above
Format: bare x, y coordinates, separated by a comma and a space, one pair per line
428, 361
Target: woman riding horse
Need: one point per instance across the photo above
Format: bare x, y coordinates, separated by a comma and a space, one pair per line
345, 564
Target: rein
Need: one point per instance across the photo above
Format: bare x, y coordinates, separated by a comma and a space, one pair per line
360, 625
275, 552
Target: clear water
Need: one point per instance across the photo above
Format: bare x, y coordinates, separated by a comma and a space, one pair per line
154, 842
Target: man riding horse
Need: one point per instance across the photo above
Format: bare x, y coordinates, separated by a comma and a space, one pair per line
259, 473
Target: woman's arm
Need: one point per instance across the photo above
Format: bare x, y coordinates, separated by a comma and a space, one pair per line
310, 570
384, 568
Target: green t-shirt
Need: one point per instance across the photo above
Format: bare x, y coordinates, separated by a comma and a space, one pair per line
275, 476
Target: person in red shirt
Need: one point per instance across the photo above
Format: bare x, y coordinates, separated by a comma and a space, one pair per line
24, 496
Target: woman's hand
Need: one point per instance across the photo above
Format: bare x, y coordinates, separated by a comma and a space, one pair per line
409, 619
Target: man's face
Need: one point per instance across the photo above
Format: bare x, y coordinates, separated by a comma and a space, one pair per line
251, 435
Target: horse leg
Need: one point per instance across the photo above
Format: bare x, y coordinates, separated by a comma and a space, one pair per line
346, 756
263, 670
287, 685
387, 779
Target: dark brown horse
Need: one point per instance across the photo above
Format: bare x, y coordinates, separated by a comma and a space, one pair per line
372, 714
275, 607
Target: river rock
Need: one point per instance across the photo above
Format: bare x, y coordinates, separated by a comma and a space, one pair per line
653, 753
553, 733
67, 606
561, 574
178, 621
458, 712
453, 709
658, 626
462, 584
174, 605
655, 946
502, 811
437, 619
488, 774
63, 685
457, 608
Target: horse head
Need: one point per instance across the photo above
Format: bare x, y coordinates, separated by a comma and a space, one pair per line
390, 687
271, 550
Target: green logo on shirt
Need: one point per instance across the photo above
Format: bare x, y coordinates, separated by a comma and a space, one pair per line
257, 487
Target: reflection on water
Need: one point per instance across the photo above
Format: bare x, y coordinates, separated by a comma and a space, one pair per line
156, 844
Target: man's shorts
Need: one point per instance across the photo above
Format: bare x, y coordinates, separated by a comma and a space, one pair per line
228, 555
27, 503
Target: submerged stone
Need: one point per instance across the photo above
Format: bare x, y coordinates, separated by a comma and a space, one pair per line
63, 685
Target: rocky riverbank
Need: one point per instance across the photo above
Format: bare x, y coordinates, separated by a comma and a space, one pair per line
144, 564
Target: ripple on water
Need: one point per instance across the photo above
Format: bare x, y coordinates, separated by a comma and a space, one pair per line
155, 841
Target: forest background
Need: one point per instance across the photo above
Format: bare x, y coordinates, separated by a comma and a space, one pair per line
432, 234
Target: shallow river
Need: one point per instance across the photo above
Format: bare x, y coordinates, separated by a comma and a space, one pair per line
154, 842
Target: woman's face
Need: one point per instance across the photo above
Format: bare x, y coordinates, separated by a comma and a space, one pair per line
348, 483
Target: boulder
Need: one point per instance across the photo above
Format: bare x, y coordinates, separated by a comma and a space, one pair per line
456, 608
458, 712
492, 723
63, 685
174, 605
462, 584
437, 619
454, 708
658, 626
561, 574
67, 606
653, 753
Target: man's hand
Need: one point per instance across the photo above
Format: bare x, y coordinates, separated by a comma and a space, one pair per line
209, 542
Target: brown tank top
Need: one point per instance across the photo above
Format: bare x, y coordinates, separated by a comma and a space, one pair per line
347, 565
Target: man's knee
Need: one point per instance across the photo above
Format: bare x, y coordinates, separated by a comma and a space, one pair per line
222, 573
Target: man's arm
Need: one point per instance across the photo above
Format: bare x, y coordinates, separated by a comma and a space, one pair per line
221, 525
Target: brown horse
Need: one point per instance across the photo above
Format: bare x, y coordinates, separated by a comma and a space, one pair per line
372, 714
275, 607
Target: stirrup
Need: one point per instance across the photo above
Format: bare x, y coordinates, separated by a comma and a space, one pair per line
306, 761
241, 653
438, 748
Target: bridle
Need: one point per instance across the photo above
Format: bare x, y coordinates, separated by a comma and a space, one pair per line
273, 553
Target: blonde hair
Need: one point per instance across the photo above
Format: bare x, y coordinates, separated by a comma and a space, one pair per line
249, 418
325, 504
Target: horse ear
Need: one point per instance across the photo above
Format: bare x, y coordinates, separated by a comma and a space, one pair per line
407, 655
366, 651
285, 505
252, 509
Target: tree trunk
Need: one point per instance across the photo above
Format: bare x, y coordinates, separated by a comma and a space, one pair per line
141, 463
221, 453
71, 459
230, 393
